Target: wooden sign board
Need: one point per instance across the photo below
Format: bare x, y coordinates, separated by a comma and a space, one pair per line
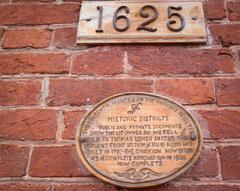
138, 140
141, 22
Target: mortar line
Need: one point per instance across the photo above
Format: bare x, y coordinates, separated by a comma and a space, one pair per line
120, 76
60, 126
52, 187
44, 91
29, 160
214, 91
52, 41
71, 60
226, 10
219, 164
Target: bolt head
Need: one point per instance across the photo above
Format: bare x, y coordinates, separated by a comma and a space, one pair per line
194, 18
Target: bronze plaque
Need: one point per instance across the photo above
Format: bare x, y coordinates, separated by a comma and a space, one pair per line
138, 140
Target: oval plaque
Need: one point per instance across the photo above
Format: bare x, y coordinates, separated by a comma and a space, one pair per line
138, 140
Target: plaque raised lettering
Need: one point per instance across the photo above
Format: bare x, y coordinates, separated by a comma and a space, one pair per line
141, 21
138, 140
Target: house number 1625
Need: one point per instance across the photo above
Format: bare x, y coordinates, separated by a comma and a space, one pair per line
172, 13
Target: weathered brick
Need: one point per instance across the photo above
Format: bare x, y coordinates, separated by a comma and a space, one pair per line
99, 61
187, 91
228, 91
85, 187
65, 37
206, 165
208, 187
22, 92
23, 38
59, 161
225, 34
230, 160
234, 10
31, 124
72, 0
78, 92
222, 123
214, 10
178, 60
71, 121
36, 14
18, 63
32, 1
4, 1
23, 187
13, 160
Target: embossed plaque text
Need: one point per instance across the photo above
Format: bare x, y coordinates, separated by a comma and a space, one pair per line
138, 140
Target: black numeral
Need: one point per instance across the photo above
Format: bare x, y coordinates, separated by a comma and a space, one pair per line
151, 18
171, 22
142, 12
99, 29
116, 17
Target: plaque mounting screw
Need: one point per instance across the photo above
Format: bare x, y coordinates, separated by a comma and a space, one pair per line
194, 18
193, 137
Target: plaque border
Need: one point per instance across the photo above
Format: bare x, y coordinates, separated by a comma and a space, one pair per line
119, 183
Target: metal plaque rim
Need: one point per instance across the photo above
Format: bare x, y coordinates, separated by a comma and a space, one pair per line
110, 180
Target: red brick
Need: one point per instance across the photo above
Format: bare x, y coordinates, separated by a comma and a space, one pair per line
31, 124
228, 91
18, 63
187, 91
227, 34
208, 187
4, 1
59, 161
234, 10
71, 121
23, 187
22, 92
36, 14
179, 60
222, 123
214, 9
72, 0
13, 160
65, 37
99, 61
85, 187
206, 165
32, 1
230, 160
78, 92
23, 38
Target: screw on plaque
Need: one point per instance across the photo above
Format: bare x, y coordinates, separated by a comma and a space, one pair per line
194, 18
193, 136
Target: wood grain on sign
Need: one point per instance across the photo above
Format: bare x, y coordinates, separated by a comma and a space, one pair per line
141, 22
138, 140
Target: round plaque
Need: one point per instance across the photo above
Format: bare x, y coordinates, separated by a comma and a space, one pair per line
138, 140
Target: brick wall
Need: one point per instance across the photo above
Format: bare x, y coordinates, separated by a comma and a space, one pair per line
48, 83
